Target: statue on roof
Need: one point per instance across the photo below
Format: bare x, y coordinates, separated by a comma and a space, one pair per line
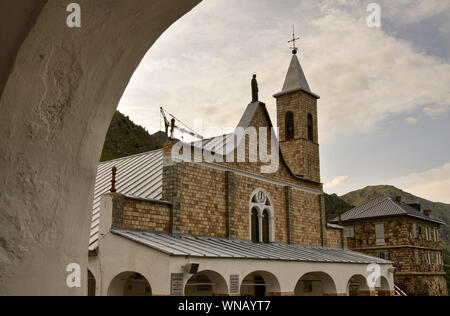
255, 89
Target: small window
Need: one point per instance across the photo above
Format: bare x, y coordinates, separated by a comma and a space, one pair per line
415, 232
349, 231
290, 132
383, 255
310, 127
379, 232
416, 253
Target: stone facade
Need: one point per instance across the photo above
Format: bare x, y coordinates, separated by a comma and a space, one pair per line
141, 214
416, 256
212, 199
300, 153
334, 237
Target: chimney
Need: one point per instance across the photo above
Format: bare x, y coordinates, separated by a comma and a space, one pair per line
398, 198
427, 212
113, 180
340, 219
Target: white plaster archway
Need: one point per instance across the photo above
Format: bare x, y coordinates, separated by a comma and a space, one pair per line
206, 283
357, 286
260, 283
129, 284
315, 284
57, 100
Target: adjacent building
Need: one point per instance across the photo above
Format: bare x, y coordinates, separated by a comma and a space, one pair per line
399, 231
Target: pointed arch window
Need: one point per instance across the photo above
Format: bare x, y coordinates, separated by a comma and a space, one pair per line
289, 122
310, 127
261, 217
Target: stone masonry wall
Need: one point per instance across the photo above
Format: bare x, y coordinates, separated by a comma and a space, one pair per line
301, 154
203, 206
409, 249
146, 216
422, 285
141, 214
282, 173
334, 237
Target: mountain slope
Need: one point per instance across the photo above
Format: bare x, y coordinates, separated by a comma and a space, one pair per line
124, 138
335, 205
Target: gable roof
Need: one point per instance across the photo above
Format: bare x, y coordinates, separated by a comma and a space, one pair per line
295, 80
138, 176
217, 247
219, 146
384, 206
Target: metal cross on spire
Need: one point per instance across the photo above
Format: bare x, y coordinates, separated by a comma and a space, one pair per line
294, 39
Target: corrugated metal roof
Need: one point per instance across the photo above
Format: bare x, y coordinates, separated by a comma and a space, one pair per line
384, 206
214, 247
139, 176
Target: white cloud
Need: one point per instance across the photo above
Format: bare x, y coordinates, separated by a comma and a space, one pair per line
413, 11
411, 120
335, 183
434, 111
202, 66
433, 184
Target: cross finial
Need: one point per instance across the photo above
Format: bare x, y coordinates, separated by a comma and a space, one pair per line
294, 39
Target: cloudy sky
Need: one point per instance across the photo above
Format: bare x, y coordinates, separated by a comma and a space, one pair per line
384, 112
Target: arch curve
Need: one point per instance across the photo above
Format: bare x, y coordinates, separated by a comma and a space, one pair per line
260, 283
129, 284
57, 104
315, 284
206, 283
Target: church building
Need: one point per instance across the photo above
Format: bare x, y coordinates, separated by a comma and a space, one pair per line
165, 226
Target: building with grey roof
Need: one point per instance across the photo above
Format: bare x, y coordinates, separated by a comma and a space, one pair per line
401, 231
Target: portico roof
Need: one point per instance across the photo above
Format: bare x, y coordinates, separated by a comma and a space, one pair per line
215, 247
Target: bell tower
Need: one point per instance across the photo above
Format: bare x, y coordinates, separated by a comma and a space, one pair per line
297, 122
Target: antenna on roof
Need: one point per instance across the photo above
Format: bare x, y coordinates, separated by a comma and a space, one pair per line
113, 180
184, 130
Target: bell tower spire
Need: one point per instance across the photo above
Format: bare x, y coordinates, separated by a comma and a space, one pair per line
297, 121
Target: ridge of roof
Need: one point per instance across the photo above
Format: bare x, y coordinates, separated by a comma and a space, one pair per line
401, 209
129, 157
